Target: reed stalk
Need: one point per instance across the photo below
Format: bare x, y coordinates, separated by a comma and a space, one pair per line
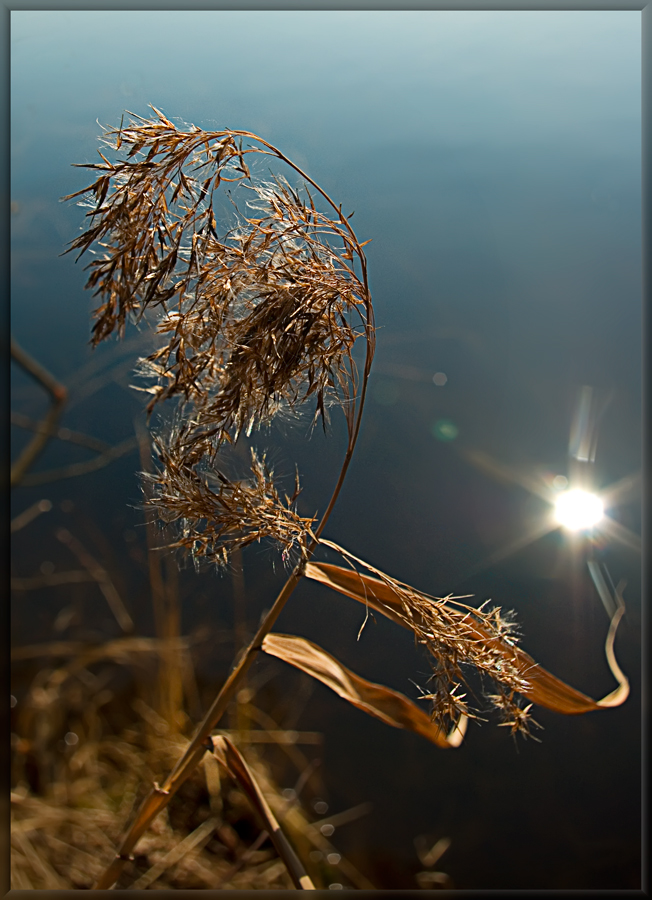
306, 287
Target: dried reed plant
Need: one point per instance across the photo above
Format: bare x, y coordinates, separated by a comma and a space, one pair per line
260, 291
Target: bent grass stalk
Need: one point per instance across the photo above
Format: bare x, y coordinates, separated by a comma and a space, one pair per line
160, 795
258, 313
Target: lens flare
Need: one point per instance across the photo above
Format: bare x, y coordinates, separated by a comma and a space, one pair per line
577, 509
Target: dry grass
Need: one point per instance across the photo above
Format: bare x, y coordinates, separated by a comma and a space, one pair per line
71, 796
83, 754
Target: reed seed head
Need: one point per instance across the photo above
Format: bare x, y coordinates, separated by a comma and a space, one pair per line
217, 515
259, 291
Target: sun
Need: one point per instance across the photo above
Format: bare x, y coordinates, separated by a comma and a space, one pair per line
578, 510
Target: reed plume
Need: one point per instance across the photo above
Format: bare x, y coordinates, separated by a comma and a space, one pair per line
259, 311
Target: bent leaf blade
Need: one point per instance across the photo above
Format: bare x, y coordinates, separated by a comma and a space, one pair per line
232, 759
377, 700
544, 688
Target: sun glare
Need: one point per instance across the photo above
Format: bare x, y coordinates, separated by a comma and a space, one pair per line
577, 509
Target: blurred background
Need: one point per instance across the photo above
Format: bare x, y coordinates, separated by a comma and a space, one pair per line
494, 160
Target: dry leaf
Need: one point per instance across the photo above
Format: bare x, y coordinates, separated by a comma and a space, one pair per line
232, 759
382, 702
542, 687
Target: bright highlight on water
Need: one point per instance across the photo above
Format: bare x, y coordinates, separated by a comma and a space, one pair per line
578, 509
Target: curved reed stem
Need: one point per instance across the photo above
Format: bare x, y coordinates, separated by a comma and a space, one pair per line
160, 796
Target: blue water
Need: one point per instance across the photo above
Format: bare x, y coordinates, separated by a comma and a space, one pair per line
494, 160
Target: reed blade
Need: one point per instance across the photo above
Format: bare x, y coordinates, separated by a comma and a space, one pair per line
379, 701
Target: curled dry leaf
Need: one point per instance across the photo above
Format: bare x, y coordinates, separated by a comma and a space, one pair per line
382, 702
232, 759
505, 663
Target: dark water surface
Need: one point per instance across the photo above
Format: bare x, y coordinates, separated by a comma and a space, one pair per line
494, 159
